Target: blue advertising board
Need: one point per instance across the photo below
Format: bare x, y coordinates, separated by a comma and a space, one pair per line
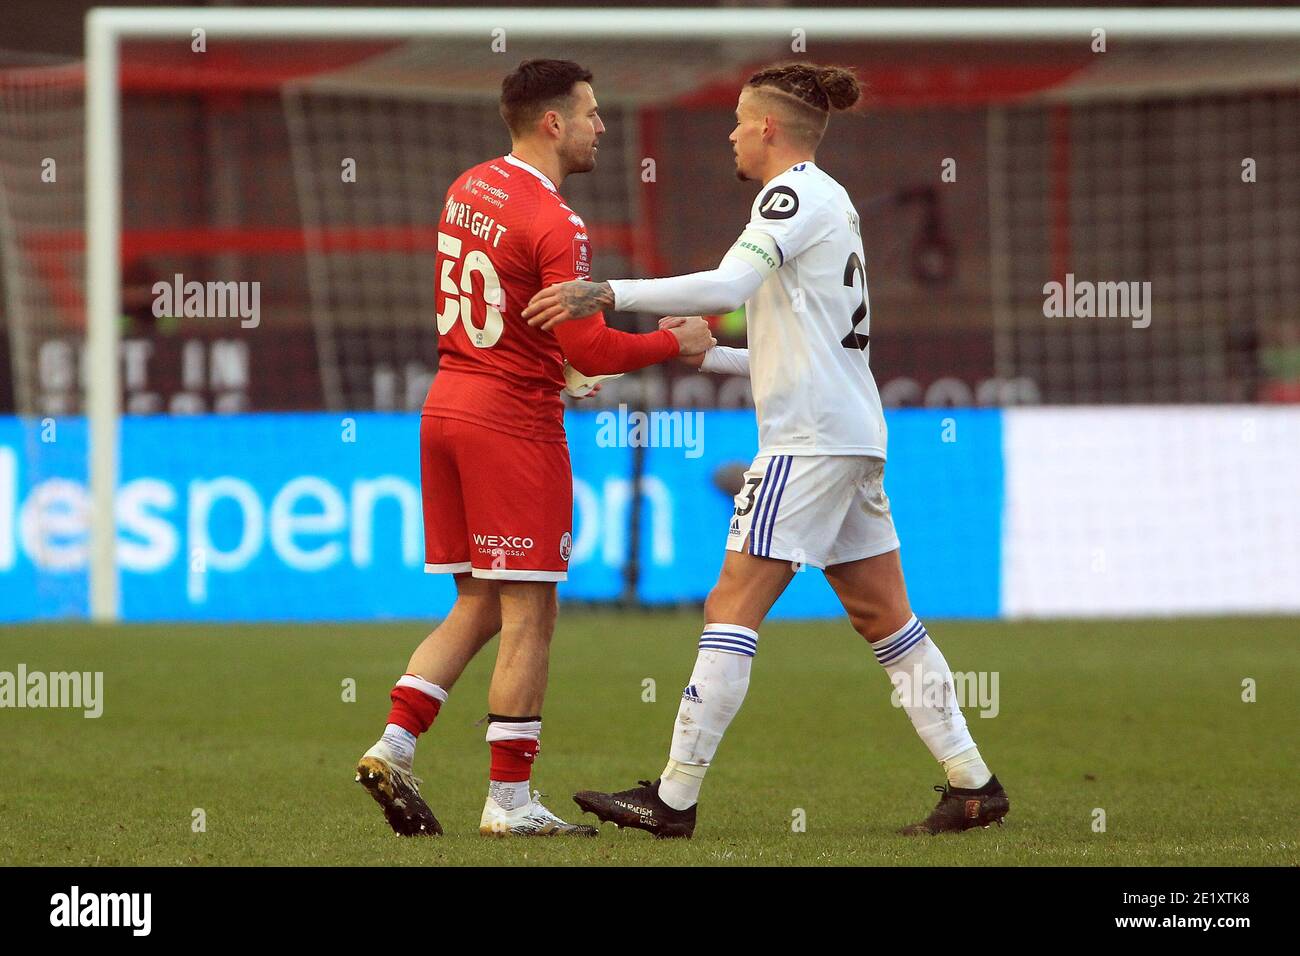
316, 516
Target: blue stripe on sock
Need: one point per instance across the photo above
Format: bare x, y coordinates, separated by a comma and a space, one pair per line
903, 646
886, 646
901, 651
743, 637
752, 645
726, 649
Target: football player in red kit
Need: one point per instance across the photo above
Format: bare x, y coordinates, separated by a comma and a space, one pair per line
495, 475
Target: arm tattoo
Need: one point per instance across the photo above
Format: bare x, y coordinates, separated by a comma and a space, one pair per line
582, 298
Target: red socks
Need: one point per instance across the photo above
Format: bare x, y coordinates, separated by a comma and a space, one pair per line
512, 760
515, 743
416, 703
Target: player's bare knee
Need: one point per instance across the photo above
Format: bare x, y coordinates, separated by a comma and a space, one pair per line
869, 622
529, 613
480, 614
724, 607
546, 619
544, 613
478, 605
878, 622
487, 622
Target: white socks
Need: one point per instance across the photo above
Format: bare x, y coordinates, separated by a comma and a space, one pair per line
921, 678
509, 795
401, 744
720, 679
679, 784
710, 701
966, 770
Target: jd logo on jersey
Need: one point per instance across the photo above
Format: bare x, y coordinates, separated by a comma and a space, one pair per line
779, 202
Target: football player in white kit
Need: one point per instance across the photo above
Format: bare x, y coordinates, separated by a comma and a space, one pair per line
815, 493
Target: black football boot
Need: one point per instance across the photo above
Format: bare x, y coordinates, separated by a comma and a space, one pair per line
640, 808
960, 809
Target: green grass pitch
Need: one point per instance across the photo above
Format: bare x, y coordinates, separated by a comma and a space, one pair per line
1142, 719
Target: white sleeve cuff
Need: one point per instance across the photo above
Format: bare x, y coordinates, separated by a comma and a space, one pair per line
725, 360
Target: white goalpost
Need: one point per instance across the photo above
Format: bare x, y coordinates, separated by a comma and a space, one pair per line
108, 29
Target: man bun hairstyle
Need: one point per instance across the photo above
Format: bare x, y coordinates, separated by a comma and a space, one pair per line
536, 86
841, 85
812, 90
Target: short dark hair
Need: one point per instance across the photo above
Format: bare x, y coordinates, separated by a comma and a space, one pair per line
536, 86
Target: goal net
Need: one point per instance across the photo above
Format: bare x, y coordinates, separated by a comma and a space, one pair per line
1149, 177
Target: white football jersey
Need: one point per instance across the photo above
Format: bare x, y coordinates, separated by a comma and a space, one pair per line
809, 323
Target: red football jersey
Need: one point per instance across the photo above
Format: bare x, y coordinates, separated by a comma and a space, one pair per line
505, 234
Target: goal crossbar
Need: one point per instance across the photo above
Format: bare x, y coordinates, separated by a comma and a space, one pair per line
872, 24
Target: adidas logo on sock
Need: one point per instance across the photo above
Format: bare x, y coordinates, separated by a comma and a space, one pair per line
693, 695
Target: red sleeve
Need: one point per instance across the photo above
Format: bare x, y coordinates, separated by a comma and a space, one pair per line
592, 347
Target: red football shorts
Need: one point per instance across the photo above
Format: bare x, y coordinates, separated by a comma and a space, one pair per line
495, 505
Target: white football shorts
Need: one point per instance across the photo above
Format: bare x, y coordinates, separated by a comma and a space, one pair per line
815, 510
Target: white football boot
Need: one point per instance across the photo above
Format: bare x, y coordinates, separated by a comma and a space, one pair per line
532, 819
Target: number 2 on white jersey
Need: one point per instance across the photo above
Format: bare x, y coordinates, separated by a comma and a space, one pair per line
457, 304
855, 339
